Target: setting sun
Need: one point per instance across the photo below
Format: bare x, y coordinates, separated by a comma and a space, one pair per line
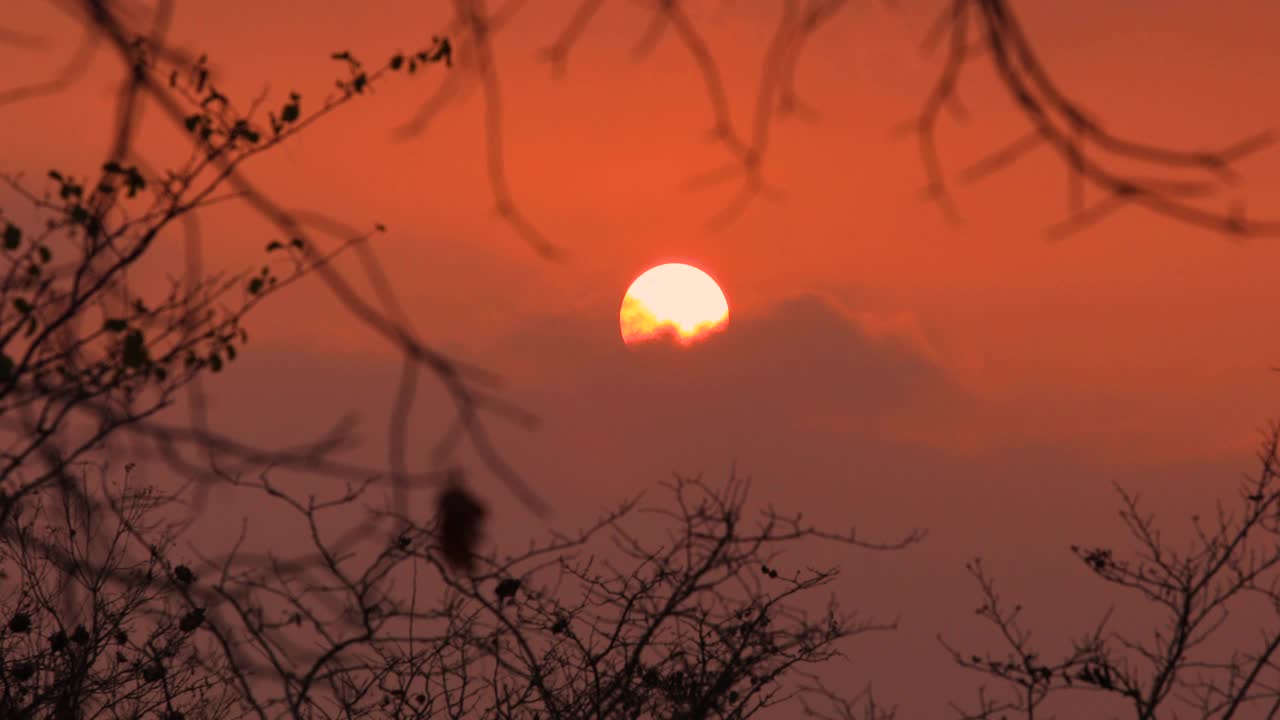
1014, 358
675, 301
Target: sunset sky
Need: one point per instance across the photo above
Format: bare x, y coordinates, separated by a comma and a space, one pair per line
882, 368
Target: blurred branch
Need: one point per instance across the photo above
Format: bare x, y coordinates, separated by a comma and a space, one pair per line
1094, 157
114, 232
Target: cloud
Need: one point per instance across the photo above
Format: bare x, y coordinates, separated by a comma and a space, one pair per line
816, 404
800, 388
803, 362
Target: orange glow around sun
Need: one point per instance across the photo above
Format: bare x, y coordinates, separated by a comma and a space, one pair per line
674, 301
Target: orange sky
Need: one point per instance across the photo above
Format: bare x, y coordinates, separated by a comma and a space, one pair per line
881, 364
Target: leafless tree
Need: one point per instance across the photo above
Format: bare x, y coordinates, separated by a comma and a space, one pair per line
711, 618
92, 625
87, 361
1199, 660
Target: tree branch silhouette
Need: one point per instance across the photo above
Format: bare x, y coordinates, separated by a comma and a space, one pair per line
167, 348
702, 625
1175, 184
1093, 156
1182, 668
710, 619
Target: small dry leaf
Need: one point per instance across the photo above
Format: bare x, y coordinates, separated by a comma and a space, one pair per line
461, 524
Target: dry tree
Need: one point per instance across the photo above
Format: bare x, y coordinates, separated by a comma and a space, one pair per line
94, 620
690, 607
1191, 663
88, 360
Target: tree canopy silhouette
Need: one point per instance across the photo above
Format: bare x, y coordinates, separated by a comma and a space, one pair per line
1210, 646
711, 619
104, 619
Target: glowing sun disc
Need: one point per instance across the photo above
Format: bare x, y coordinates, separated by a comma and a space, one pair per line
675, 301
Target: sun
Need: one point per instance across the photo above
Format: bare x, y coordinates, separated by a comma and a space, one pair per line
674, 301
